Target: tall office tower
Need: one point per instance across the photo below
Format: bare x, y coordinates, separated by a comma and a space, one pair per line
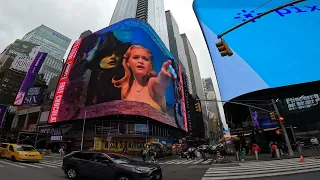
50, 41
212, 106
151, 11
177, 48
53, 43
195, 76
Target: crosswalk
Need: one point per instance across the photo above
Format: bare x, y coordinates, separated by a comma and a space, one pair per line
255, 170
190, 161
43, 164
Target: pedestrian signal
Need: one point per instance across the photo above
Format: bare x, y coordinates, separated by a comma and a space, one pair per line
224, 48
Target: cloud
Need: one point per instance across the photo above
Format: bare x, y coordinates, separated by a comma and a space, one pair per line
72, 17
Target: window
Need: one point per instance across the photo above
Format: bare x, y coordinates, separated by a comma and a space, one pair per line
11, 148
84, 156
25, 148
4, 145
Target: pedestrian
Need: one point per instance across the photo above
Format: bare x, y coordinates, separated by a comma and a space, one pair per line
62, 152
144, 155
203, 155
273, 150
152, 154
242, 152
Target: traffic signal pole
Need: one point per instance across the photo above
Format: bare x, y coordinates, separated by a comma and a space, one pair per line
259, 16
283, 129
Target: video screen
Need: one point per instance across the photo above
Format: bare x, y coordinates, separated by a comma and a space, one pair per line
122, 69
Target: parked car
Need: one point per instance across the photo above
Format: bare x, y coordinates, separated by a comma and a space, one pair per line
108, 166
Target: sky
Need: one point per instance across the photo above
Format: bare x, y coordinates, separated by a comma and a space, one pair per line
72, 17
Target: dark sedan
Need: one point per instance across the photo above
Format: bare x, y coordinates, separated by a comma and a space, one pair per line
97, 165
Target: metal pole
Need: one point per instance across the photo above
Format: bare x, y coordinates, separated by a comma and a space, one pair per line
283, 129
259, 16
84, 124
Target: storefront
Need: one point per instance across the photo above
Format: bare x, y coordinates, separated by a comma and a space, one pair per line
132, 134
57, 136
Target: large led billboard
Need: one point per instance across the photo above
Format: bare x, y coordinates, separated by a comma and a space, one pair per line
275, 50
122, 69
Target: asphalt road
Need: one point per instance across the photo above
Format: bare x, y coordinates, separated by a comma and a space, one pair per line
170, 171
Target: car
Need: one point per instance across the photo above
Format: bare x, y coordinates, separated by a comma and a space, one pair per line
3, 146
108, 166
17, 152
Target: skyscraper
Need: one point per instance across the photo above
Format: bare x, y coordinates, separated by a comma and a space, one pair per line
50, 41
177, 48
151, 11
195, 76
53, 43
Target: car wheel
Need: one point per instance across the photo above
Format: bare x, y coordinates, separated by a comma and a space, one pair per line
123, 177
72, 173
13, 158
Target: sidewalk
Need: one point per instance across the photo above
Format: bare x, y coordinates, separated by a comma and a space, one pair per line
267, 157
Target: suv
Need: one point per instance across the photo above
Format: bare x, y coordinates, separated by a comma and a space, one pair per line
110, 166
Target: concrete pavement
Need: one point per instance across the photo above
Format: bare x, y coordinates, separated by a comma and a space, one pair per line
50, 169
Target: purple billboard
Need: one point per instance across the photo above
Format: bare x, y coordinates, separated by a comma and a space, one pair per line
30, 77
3, 110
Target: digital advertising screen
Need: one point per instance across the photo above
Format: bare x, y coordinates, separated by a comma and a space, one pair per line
30, 77
275, 50
122, 69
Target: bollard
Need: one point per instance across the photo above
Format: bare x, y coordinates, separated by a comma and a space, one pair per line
256, 154
237, 156
278, 153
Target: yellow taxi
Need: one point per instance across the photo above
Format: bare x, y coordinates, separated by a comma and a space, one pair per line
17, 152
2, 147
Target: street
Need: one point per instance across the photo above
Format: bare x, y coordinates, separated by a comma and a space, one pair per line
176, 168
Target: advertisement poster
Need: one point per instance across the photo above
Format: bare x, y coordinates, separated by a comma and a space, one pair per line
30, 77
257, 62
3, 110
21, 63
122, 69
33, 97
22, 48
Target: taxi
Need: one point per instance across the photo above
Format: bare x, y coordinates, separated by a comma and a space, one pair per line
2, 147
17, 152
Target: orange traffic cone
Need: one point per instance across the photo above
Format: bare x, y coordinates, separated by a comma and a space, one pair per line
301, 158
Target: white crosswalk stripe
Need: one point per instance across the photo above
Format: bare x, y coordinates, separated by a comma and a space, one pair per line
185, 161
262, 169
43, 164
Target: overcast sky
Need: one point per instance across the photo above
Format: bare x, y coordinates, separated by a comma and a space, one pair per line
72, 17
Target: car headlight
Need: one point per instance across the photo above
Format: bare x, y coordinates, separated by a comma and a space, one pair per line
141, 169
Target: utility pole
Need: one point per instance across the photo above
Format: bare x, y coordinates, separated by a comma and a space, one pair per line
259, 16
83, 127
283, 129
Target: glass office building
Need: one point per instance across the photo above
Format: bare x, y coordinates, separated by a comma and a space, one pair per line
151, 11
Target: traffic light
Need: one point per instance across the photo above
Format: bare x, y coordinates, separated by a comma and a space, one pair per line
272, 116
280, 118
224, 48
198, 107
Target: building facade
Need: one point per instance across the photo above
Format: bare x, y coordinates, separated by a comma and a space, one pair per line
53, 43
195, 78
151, 11
50, 41
177, 48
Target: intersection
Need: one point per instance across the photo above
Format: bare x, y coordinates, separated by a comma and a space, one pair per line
50, 168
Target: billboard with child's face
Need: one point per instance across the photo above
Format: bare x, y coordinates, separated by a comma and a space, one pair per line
122, 69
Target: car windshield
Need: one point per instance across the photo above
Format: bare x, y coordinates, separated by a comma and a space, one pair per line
25, 148
120, 159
